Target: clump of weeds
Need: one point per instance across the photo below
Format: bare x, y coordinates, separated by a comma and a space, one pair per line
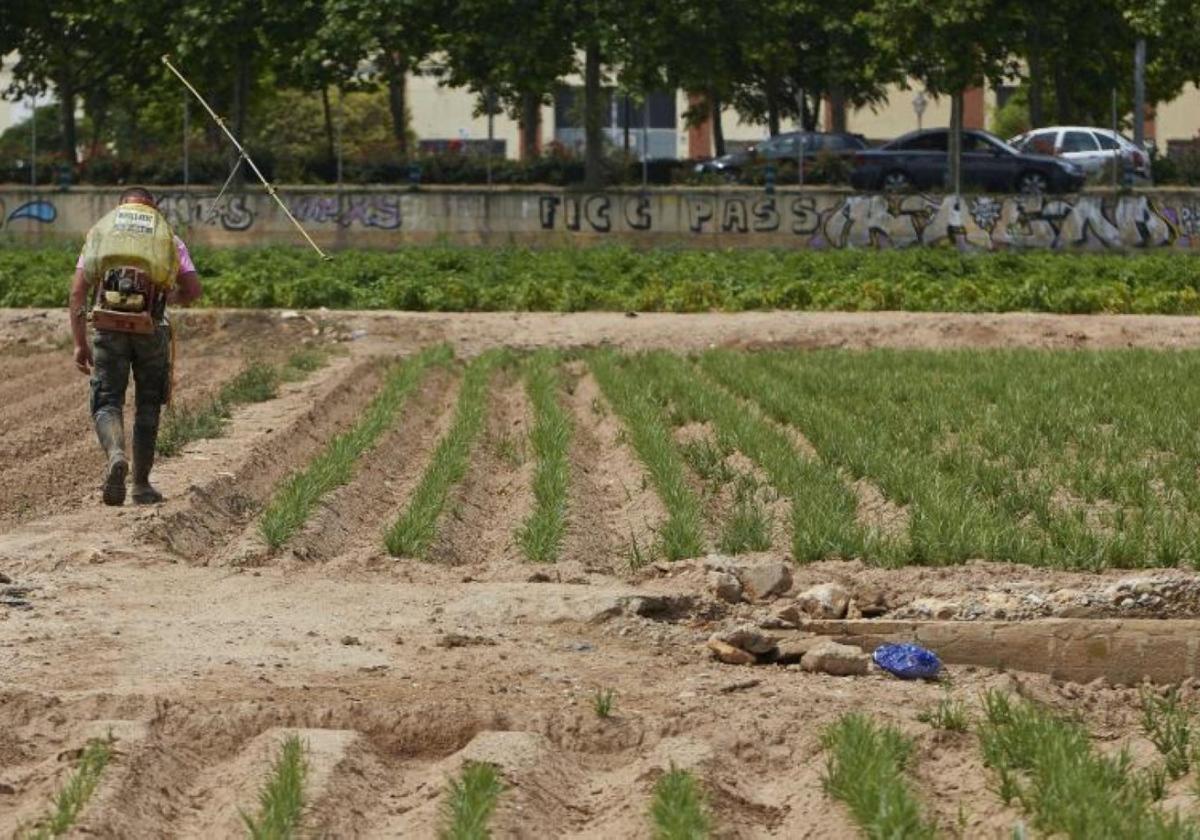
865, 769
71, 798
949, 715
1168, 725
678, 809
603, 701
470, 801
281, 800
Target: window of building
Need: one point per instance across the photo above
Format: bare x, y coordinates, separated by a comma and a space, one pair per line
619, 111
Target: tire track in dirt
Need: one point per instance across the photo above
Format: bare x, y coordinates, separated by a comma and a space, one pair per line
67, 458
290, 431
349, 523
478, 526
615, 497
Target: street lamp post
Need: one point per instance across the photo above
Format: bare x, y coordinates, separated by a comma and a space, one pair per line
919, 102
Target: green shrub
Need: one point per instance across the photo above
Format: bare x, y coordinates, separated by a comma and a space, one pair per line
452, 278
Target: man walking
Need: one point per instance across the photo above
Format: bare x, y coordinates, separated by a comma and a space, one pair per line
131, 266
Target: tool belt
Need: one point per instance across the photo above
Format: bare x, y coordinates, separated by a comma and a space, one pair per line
128, 301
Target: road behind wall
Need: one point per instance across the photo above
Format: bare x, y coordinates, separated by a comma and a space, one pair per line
386, 217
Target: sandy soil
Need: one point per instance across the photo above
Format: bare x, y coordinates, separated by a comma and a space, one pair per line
176, 632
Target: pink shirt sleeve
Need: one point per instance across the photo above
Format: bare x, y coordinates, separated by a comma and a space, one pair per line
186, 266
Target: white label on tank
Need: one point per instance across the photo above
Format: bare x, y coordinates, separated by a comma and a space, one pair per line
134, 221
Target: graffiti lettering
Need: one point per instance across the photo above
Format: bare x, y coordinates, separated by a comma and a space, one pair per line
808, 220
640, 218
766, 217
372, 211
700, 211
1189, 219
39, 210
734, 216
184, 210
547, 210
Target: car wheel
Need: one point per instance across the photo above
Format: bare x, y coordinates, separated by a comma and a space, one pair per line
897, 181
1033, 183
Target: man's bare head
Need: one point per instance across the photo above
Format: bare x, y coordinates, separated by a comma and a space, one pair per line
138, 195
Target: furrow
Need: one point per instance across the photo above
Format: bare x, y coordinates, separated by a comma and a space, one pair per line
346, 524
64, 457
265, 442
614, 511
682, 534
481, 518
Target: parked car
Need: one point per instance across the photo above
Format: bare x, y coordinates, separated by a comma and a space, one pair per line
1091, 148
920, 160
783, 147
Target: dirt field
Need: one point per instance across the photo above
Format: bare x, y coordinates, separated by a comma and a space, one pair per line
175, 631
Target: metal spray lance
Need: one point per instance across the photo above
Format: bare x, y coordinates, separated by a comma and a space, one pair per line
166, 59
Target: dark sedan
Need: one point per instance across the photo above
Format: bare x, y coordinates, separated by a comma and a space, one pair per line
920, 161
783, 147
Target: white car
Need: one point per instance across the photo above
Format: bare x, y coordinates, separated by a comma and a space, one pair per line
1091, 148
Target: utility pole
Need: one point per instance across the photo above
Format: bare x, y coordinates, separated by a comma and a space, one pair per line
186, 123
1116, 161
800, 138
1139, 93
491, 131
33, 145
645, 141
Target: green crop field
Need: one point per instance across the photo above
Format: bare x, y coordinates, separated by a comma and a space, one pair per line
461, 279
1074, 460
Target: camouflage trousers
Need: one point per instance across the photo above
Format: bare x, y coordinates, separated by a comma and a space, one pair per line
149, 357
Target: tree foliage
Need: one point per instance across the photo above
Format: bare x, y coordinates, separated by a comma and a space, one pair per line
771, 60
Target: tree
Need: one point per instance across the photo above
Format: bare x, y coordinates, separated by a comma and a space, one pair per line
73, 48
950, 47
373, 42
483, 55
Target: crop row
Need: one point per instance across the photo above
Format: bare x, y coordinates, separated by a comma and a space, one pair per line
1079, 460
456, 279
1041, 762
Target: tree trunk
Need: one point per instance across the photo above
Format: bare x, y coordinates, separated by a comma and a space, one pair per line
1037, 115
331, 150
531, 124
772, 112
837, 110
955, 156
241, 95
718, 130
397, 85
66, 111
593, 118
1062, 95
625, 124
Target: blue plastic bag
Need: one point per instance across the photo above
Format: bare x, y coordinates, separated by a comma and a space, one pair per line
908, 661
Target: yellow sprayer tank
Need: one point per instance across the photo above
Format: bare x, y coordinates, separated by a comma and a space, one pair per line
132, 236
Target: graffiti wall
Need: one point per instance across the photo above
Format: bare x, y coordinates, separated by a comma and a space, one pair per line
726, 218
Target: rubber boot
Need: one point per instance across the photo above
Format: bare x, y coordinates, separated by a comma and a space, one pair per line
143, 461
111, 431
